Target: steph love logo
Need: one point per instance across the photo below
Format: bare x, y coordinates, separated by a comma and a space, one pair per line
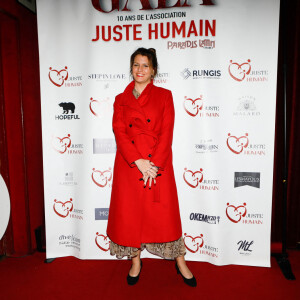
191, 178
63, 209
99, 108
102, 241
101, 178
193, 244
239, 71
237, 144
61, 144
236, 213
58, 77
193, 106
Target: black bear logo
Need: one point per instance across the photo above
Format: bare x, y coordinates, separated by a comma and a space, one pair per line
66, 106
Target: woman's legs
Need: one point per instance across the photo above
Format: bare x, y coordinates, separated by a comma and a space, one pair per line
183, 268
136, 265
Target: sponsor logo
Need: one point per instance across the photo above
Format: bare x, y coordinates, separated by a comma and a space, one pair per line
101, 213
196, 245
200, 74
244, 247
107, 76
161, 78
247, 178
194, 107
68, 110
104, 146
246, 107
100, 108
68, 180
196, 180
58, 78
239, 213
102, 178
235, 214
205, 44
206, 146
244, 72
102, 241
70, 240
65, 209
65, 145
205, 218
62, 78
241, 144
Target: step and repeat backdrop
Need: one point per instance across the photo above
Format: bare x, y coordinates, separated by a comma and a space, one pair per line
219, 59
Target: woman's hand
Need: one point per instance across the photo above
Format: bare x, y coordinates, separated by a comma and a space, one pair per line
148, 169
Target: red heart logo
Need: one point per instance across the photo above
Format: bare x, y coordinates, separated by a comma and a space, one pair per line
99, 108
193, 244
63, 209
192, 107
239, 71
61, 144
193, 178
237, 145
102, 241
101, 178
58, 77
235, 214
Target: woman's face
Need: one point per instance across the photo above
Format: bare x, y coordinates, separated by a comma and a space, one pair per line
142, 69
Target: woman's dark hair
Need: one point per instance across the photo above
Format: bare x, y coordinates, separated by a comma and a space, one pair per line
151, 55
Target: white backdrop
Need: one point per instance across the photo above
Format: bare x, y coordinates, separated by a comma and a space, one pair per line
220, 62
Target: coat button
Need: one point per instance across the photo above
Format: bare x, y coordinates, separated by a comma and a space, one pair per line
148, 120
132, 142
149, 155
130, 125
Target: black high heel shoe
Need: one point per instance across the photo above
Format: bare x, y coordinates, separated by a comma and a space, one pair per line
133, 280
191, 281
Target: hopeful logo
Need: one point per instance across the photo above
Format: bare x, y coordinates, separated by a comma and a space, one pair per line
63, 209
186, 73
237, 144
102, 241
101, 178
193, 106
61, 144
236, 213
191, 178
99, 108
58, 77
239, 71
193, 244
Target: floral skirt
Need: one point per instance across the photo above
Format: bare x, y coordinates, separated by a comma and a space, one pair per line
168, 250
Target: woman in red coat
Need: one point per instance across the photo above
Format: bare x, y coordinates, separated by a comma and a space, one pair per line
144, 210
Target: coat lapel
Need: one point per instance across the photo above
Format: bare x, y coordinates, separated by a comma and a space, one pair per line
136, 104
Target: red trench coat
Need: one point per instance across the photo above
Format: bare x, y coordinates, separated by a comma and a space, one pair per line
143, 128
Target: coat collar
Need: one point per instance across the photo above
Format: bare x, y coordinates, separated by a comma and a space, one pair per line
136, 104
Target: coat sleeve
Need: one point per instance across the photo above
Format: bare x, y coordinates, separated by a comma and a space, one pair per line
163, 149
124, 144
